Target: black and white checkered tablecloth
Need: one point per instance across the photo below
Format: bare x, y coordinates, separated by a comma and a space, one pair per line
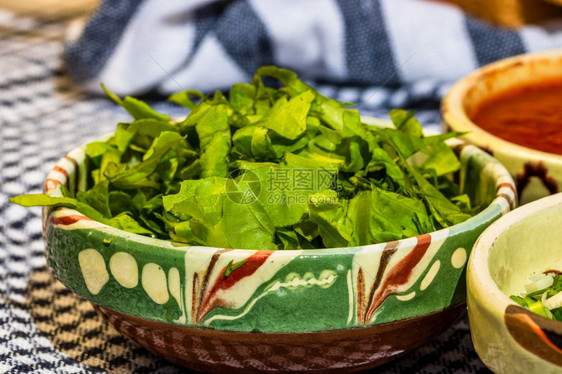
44, 327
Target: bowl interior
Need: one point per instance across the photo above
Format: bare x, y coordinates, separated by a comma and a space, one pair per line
528, 247
496, 78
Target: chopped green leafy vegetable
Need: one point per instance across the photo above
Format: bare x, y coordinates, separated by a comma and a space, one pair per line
230, 267
268, 168
544, 295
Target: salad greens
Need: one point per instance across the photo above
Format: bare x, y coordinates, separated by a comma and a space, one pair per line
268, 168
544, 295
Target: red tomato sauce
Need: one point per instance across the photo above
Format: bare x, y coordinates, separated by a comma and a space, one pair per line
528, 115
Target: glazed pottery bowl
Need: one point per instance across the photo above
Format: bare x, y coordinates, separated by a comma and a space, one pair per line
295, 310
508, 337
536, 173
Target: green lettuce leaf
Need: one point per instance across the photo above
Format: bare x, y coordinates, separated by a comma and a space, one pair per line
268, 168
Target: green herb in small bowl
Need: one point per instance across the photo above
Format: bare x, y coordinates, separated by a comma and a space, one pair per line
544, 295
513, 290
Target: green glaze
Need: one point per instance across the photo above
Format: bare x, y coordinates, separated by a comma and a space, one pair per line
284, 299
272, 291
64, 246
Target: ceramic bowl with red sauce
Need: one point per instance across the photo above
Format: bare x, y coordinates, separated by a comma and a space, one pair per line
513, 110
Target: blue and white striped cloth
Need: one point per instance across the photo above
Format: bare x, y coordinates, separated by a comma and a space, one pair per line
138, 46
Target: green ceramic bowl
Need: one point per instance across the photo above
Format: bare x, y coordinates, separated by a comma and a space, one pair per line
537, 174
509, 338
295, 310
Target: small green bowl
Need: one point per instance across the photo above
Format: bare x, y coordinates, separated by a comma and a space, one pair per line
506, 336
295, 310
